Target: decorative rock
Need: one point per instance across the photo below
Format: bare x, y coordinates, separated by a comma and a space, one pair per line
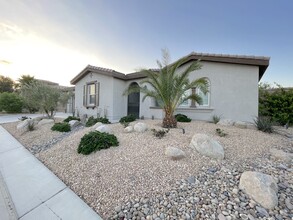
174, 153
221, 217
240, 124
98, 124
128, 129
288, 204
140, 127
24, 124
104, 129
73, 123
226, 122
207, 146
46, 121
262, 212
261, 187
281, 155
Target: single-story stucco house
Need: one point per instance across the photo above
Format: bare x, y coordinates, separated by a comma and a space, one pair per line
233, 90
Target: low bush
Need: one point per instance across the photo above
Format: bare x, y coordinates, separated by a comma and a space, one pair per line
182, 118
216, 119
10, 102
31, 125
92, 121
128, 118
220, 132
160, 133
62, 127
264, 124
95, 141
70, 118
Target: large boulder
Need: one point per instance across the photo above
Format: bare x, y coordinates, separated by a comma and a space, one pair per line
140, 127
128, 129
261, 187
174, 153
226, 122
46, 121
281, 155
206, 146
23, 125
98, 124
104, 129
74, 123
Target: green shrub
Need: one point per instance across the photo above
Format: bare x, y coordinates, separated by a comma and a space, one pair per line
128, 118
182, 118
276, 103
10, 102
92, 121
95, 141
31, 125
70, 118
216, 119
62, 127
160, 133
220, 132
264, 124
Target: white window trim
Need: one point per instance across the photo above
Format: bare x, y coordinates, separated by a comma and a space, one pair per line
208, 94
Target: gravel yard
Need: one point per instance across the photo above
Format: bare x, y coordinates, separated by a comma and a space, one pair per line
111, 179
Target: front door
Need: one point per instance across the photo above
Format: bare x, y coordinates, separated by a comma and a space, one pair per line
133, 103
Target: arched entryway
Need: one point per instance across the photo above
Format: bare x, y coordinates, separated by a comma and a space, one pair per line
133, 102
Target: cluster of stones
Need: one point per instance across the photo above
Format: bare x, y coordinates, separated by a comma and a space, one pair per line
219, 193
40, 121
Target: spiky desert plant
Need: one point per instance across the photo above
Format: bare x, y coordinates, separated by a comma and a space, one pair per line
168, 85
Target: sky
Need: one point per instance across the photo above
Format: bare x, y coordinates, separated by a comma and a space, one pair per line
56, 39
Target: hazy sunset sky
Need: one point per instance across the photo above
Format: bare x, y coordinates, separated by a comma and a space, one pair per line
55, 39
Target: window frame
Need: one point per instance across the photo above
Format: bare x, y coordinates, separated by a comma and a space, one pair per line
87, 94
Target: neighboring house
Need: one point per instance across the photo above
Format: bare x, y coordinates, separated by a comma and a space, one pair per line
69, 107
233, 90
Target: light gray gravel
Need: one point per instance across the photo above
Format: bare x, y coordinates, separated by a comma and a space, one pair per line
138, 168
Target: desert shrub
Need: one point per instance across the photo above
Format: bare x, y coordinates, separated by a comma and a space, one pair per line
159, 133
182, 118
128, 118
92, 121
220, 132
95, 141
264, 124
125, 124
62, 127
10, 102
216, 119
31, 125
70, 118
276, 103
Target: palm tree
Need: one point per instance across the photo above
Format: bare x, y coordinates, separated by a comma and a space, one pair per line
169, 86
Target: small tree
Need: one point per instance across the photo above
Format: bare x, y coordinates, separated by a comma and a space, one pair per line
6, 84
41, 96
169, 85
10, 102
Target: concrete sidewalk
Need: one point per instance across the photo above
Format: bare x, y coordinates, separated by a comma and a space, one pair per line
34, 190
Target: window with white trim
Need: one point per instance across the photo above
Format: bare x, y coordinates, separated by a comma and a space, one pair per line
91, 88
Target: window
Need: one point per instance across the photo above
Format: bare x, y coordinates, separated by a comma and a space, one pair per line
186, 102
205, 97
91, 94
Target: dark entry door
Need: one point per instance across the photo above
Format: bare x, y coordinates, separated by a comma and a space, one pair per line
133, 103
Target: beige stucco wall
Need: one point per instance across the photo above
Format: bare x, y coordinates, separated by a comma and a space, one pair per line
233, 94
105, 97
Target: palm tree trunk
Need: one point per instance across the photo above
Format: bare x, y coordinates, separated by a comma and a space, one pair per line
169, 120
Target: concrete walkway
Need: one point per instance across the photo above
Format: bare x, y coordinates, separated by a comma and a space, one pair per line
29, 190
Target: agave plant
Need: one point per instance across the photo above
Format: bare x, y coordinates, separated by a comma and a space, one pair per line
168, 86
